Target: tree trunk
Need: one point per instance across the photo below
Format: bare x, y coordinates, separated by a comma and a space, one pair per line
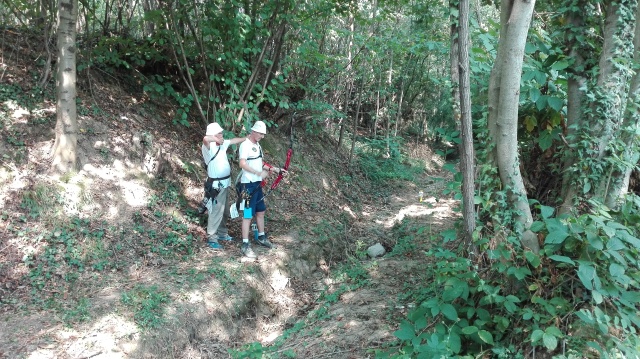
467, 162
576, 84
349, 83
66, 143
503, 117
630, 128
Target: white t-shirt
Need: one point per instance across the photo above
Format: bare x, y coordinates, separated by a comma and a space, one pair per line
218, 167
252, 153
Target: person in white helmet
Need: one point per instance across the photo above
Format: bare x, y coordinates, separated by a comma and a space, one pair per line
254, 170
214, 153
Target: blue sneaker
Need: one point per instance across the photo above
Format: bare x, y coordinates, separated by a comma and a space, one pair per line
226, 238
215, 246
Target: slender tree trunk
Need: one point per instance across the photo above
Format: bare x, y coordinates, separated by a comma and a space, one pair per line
515, 20
454, 61
388, 115
399, 112
349, 82
467, 162
355, 128
66, 143
375, 121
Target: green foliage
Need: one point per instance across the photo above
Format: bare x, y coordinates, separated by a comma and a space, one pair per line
383, 161
586, 275
148, 304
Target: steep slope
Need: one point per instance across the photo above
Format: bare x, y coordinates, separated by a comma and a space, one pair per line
111, 261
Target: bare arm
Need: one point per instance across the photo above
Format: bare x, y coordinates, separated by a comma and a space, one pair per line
206, 140
236, 140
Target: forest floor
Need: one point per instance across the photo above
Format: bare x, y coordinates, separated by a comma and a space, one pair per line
111, 262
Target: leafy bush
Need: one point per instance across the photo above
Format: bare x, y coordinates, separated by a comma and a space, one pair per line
580, 293
383, 160
148, 304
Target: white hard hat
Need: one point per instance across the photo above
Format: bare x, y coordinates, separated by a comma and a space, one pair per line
213, 129
259, 126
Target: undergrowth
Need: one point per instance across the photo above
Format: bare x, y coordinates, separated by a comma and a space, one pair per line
577, 298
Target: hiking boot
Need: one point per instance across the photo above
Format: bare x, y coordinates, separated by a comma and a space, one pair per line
247, 251
263, 241
225, 238
215, 245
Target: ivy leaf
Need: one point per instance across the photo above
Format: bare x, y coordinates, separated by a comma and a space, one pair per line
536, 335
486, 337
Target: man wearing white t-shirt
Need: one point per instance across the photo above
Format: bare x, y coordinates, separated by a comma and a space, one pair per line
254, 170
214, 153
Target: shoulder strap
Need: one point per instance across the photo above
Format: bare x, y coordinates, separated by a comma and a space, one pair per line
258, 156
214, 156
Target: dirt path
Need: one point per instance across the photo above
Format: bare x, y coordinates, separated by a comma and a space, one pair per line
288, 297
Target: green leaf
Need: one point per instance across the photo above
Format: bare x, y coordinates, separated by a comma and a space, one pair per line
532, 258
586, 273
486, 337
453, 292
536, 335
586, 316
557, 231
615, 244
616, 270
541, 103
560, 65
534, 94
406, 331
550, 341
469, 330
449, 235
536, 226
449, 311
625, 236
555, 103
545, 141
455, 344
633, 297
546, 211
562, 259
553, 331
594, 240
